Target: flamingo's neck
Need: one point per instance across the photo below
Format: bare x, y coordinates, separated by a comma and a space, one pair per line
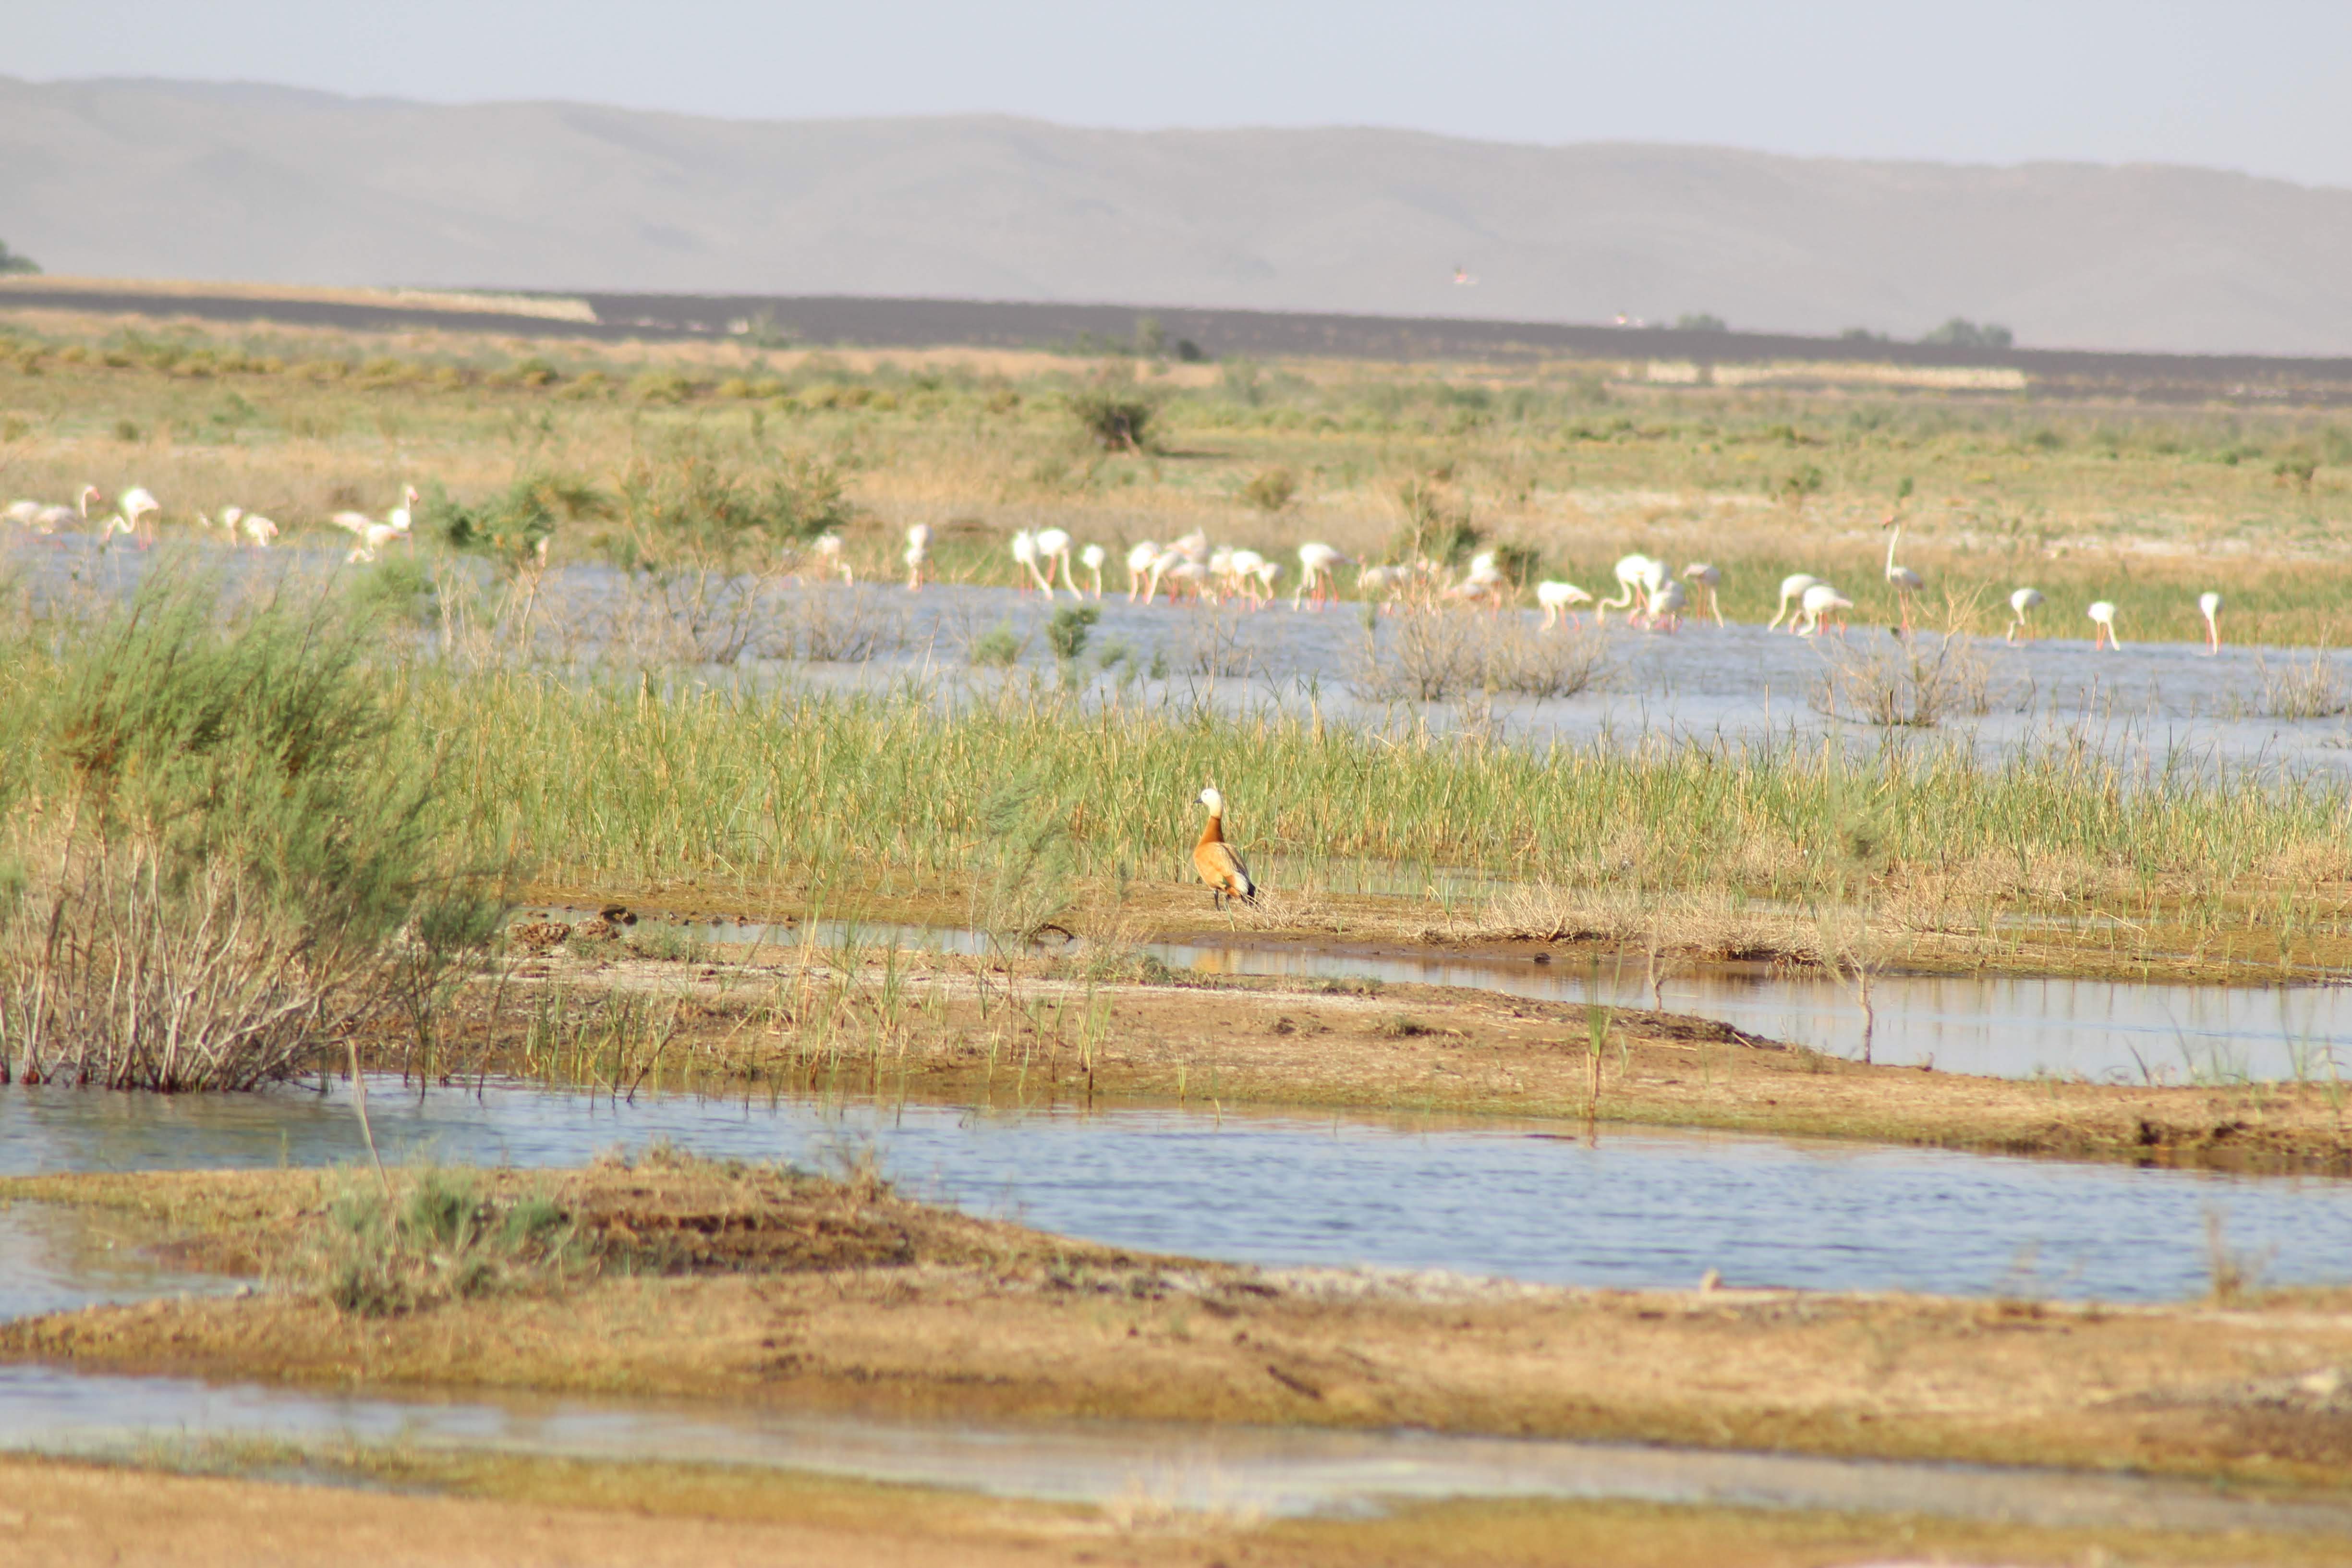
1892, 540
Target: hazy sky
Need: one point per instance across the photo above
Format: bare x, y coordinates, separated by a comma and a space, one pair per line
2256, 85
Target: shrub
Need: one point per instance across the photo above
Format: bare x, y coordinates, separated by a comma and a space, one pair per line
997, 647
1065, 633
16, 262
209, 847
1116, 419
689, 511
516, 528
1271, 489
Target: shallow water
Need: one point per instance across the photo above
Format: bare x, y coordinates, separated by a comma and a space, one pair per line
1633, 1209
2104, 1031
1141, 1468
2121, 1031
2150, 703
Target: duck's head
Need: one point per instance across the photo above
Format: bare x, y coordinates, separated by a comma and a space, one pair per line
1215, 801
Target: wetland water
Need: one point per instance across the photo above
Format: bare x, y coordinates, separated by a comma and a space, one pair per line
2119, 1031
1146, 1469
2154, 704
1529, 1202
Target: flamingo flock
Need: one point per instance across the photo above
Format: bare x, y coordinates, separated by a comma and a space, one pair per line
1649, 595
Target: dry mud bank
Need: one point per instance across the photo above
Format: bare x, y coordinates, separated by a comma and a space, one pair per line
682, 1279
978, 1030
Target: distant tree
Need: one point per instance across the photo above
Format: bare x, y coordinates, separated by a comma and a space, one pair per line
1860, 335
1151, 337
1960, 332
1189, 351
1699, 322
11, 262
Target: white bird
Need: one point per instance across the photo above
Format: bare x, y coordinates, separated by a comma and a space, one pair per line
1053, 549
1315, 563
1560, 599
256, 528
44, 518
1193, 546
1184, 575
141, 509
1220, 569
1902, 579
1024, 551
1632, 574
1793, 591
1820, 602
1268, 574
1139, 557
1706, 579
398, 516
918, 556
828, 550
1092, 557
2209, 605
1243, 567
1388, 582
114, 523
2102, 615
1667, 605
371, 537
1483, 580
2023, 602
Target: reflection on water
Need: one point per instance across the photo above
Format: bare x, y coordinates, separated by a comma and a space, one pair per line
1650, 1209
1242, 1471
55, 1259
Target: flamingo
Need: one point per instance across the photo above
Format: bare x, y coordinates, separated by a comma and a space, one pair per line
918, 556
828, 549
1902, 579
1315, 563
1705, 579
2024, 601
256, 528
398, 516
1632, 574
1215, 858
2209, 605
1385, 580
372, 537
141, 509
1794, 588
1822, 601
1193, 546
41, 518
1240, 568
1558, 599
1092, 558
114, 523
1024, 551
1139, 557
1483, 581
2102, 615
1667, 605
1053, 549
1220, 569
1268, 574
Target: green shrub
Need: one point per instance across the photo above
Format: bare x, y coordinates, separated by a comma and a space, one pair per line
437, 1237
516, 528
211, 845
1115, 418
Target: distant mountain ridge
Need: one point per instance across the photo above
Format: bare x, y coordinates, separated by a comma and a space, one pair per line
165, 179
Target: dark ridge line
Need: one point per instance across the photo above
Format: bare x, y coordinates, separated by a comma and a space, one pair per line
869, 322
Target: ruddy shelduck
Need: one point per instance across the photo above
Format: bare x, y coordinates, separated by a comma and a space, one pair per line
1215, 858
